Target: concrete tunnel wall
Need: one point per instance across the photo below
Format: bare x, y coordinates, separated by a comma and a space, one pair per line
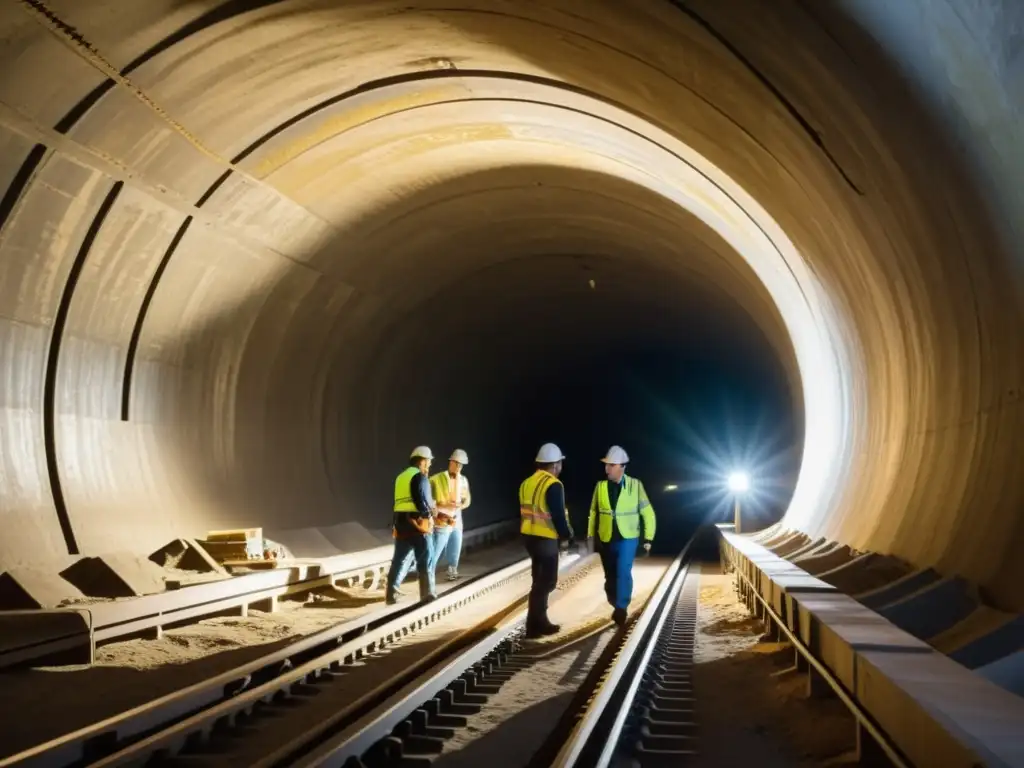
226, 225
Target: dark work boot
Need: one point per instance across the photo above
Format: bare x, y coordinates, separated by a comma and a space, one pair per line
544, 630
619, 616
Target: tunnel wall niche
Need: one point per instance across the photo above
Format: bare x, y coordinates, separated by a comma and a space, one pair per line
832, 122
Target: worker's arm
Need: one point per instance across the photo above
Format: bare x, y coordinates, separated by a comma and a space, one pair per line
421, 495
646, 514
467, 498
555, 497
592, 519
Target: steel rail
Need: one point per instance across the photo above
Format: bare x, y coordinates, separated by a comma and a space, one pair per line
862, 717
172, 740
165, 724
640, 644
352, 743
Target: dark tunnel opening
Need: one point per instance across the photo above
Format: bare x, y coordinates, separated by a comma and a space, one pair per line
687, 413
533, 293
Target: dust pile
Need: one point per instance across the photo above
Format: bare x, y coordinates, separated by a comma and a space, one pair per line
750, 701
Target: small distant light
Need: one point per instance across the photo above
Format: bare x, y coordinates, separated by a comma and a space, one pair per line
739, 482
671, 487
592, 283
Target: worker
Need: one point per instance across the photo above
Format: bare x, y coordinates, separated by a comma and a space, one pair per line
451, 490
544, 522
620, 515
412, 525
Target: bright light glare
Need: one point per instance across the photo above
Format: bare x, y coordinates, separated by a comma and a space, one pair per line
671, 487
739, 482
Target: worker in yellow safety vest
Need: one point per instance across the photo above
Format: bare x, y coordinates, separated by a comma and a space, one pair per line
544, 521
413, 524
621, 515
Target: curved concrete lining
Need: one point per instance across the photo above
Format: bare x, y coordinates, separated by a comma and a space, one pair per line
227, 228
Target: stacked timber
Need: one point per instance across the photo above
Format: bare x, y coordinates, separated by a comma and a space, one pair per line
238, 546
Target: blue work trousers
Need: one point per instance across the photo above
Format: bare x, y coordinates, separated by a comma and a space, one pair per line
454, 549
441, 536
438, 542
419, 549
617, 560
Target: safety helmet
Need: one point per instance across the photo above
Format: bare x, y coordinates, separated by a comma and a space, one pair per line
549, 453
616, 455
422, 452
460, 456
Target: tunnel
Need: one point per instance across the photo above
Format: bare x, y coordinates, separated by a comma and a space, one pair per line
252, 252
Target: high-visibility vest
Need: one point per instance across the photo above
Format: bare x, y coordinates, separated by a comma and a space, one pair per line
534, 515
631, 505
439, 484
404, 505
403, 490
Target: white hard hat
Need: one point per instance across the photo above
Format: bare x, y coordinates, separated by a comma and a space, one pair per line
460, 456
549, 453
616, 455
421, 452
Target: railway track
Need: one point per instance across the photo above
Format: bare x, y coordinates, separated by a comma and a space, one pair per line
411, 727
400, 694
342, 661
636, 706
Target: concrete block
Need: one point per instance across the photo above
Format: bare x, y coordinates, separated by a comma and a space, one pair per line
353, 537
1007, 673
836, 627
934, 610
769, 534
119, 574
44, 638
791, 583
767, 571
1002, 642
792, 544
940, 713
811, 548
820, 562
187, 555
28, 587
866, 573
899, 589
304, 542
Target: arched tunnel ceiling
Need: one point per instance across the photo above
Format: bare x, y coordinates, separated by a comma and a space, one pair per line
222, 219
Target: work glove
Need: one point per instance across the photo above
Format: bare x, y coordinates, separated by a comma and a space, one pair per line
563, 545
647, 549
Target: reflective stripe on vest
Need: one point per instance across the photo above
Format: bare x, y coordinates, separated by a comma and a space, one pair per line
534, 516
403, 490
626, 514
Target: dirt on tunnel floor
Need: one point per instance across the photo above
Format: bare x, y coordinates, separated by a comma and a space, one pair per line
750, 702
53, 701
514, 722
